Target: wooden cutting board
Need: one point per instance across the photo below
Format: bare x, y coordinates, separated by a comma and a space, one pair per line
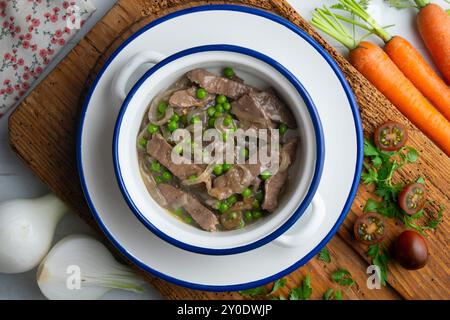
43, 130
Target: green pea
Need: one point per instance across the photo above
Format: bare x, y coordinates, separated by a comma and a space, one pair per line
226, 106
245, 152
178, 211
218, 170
152, 128
192, 178
142, 142
232, 216
256, 204
211, 110
195, 119
232, 200
228, 72
162, 107
256, 214
226, 167
227, 122
155, 166
221, 99
167, 176
248, 215
188, 219
175, 117
201, 93
247, 192
259, 196
158, 180
219, 109
223, 207
265, 175
283, 128
211, 122
172, 126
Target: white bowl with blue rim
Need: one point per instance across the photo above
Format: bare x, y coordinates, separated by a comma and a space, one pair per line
257, 70
302, 56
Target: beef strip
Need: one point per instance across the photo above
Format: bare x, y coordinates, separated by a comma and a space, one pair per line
205, 218
275, 184
161, 150
250, 113
188, 98
262, 110
234, 180
274, 108
218, 85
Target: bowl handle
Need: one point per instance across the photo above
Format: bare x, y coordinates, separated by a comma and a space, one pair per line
305, 227
118, 86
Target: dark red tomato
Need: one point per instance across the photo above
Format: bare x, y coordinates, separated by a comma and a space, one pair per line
412, 198
411, 250
369, 228
390, 136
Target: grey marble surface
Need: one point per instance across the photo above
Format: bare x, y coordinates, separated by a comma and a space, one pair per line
17, 181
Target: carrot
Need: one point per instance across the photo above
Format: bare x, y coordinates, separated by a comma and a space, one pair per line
381, 71
407, 59
416, 69
378, 68
434, 28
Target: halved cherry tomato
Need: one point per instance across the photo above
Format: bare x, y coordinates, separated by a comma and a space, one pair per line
390, 136
369, 228
412, 198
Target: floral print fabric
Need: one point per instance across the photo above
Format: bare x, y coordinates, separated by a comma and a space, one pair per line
31, 33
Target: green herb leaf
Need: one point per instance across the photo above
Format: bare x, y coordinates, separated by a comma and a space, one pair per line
420, 180
303, 292
371, 176
328, 294
370, 149
324, 255
433, 224
280, 283
338, 295
377, 161
306, 287
253, 292
342, 277
412, 155
371, 205
380, 259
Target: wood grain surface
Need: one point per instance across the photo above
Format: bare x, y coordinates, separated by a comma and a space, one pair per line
43, 130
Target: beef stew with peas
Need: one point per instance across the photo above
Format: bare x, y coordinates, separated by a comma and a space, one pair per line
215, 195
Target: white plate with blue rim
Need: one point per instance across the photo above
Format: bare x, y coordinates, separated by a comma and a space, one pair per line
290, 47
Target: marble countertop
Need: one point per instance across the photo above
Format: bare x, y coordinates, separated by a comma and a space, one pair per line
17, 181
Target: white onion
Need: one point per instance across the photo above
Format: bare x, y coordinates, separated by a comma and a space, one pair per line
26, 231
80, 267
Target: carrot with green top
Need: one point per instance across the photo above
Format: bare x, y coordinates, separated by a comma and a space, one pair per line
378, 68
407, 59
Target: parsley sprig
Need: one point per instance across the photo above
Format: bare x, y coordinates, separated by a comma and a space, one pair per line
379, 170
331, 294
303, 292
379, 258
343, 277
324, 255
